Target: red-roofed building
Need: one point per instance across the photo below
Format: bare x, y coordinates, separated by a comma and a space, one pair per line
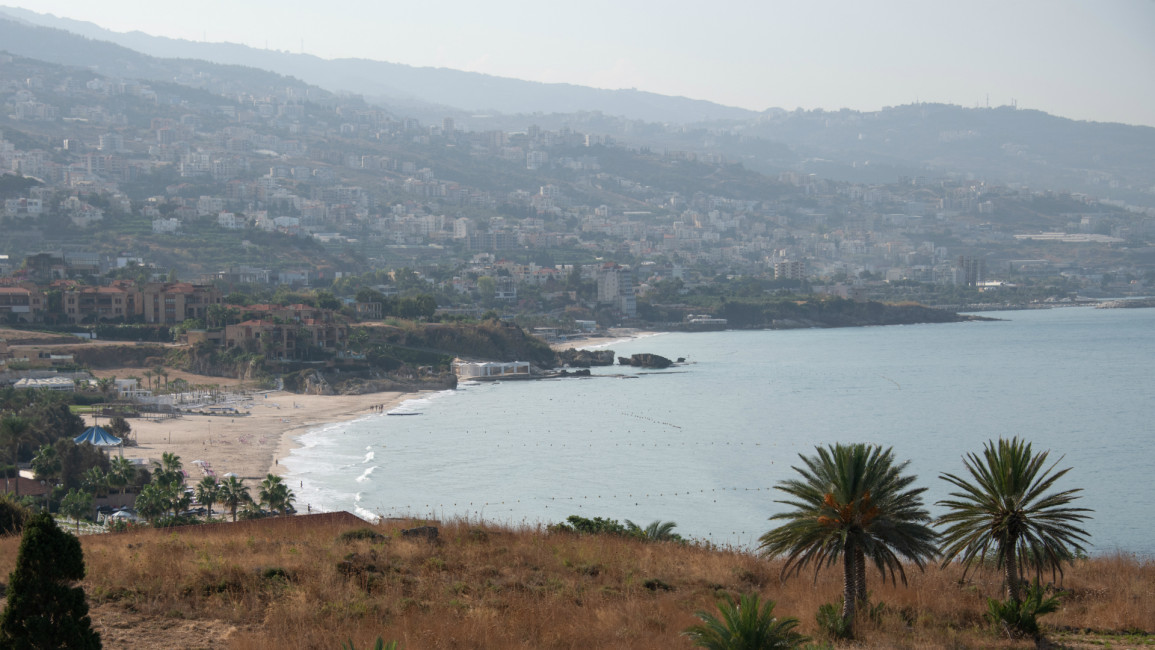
22, 303
169, 303
91, 304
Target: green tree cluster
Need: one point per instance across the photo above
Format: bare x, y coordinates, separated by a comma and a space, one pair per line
45, 609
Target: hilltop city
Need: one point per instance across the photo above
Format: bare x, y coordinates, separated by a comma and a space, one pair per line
113, 186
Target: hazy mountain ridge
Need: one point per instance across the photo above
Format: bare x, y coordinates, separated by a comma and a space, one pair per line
61, 47
468, 91
1028, 147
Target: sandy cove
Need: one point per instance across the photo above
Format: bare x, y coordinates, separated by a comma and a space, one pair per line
611, 337
250, 446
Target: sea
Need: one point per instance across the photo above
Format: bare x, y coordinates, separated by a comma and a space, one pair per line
704, 443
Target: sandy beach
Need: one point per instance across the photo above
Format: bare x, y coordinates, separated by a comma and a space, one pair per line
614, 335
250, 446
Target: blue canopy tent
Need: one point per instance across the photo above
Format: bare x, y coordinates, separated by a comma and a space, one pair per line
98, 437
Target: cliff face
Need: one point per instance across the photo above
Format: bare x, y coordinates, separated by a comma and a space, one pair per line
584, 358
490, 340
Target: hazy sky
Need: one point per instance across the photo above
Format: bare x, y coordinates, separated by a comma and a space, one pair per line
1090, 60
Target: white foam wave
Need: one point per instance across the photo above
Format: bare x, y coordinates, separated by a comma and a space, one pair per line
416, 404
369, 457
371, 517
617, 342
364, 477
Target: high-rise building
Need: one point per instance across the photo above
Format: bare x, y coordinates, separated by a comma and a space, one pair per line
616, 288
969, 271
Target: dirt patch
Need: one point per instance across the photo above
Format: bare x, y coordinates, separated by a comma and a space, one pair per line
21, 337
122, 629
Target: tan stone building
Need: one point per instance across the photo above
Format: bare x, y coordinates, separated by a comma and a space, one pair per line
169, 303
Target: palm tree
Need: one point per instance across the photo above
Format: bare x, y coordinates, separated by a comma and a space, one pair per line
745, 626
121, 473
95, 481
1003, 508
855, 503
152, 502
208, 492
76, 505
47, 465
15, 431
169, 469
274, 493
657, 531
233, 494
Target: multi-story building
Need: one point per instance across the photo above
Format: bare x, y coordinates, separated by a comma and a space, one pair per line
169, 303
790, 270
616, 288
100, 303
22, 303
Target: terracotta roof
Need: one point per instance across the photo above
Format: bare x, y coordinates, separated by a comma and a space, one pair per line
28, 487
258, 323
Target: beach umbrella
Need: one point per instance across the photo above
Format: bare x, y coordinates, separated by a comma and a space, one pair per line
199, 462
98, 437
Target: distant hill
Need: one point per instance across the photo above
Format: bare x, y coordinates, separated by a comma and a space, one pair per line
997, 145
65, 48
405, 85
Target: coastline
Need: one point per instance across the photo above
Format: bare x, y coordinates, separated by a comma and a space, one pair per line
250, 446
611, 337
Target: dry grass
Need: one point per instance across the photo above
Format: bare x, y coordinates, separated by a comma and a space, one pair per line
296, 584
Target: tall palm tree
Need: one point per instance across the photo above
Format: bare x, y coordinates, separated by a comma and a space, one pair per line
95, 481
121, 473
234, 494
1004, 508
169, 469
15, 431
47, 465
274, 493
852, 503
208, 492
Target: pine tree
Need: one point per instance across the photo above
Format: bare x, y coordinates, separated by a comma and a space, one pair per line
44, 609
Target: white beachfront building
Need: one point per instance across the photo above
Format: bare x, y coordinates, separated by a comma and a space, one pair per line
490, 369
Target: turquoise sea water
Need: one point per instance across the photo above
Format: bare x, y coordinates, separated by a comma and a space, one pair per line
703, 444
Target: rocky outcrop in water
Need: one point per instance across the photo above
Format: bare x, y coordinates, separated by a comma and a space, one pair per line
646, 360
585, 358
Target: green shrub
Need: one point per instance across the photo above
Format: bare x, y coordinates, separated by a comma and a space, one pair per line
595, 526
12, 515
744, 625
360, 533
1018, 619
830, 621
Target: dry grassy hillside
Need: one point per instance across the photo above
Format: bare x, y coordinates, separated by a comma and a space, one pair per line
298, 583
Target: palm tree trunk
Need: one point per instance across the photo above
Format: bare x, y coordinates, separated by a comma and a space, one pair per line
849, 593
860, 575
1012, 575
16, 468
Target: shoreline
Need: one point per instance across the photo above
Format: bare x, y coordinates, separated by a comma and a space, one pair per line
612, 336
251, 446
